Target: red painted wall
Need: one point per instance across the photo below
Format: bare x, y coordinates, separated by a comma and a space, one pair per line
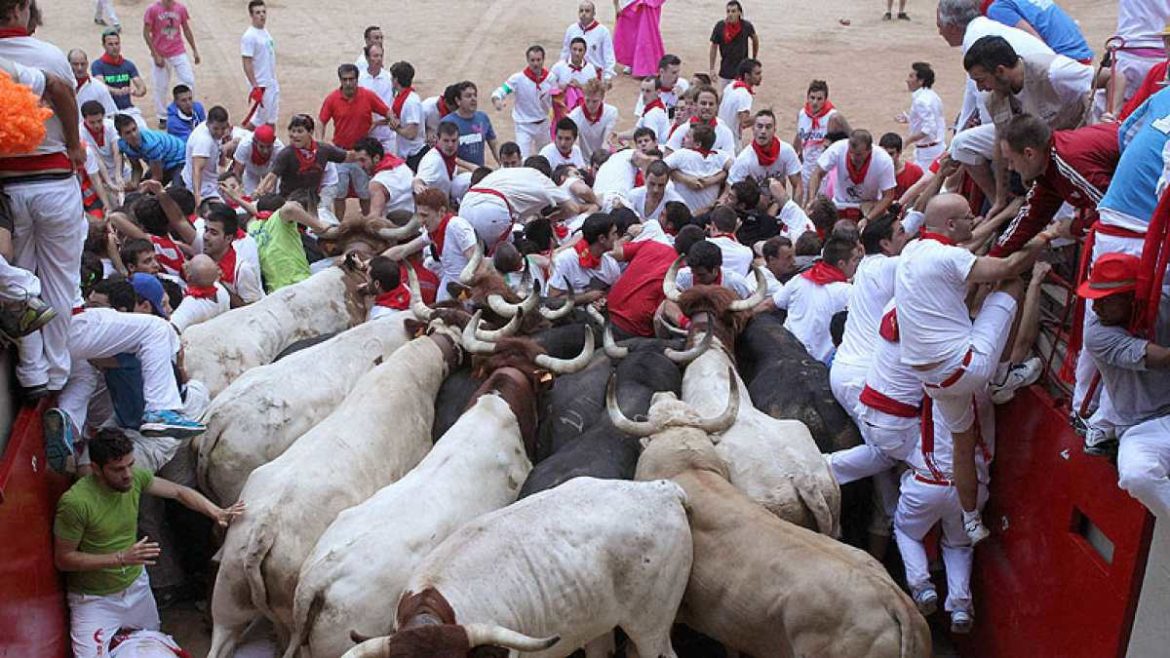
1040, 588
33, 622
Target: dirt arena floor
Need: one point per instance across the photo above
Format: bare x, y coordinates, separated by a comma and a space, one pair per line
865, 63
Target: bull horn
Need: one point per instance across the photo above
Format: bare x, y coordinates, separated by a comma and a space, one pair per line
468, 273
740, 305
595, 315
635, 428
479, 635
378, 647
559, 312
506, 309
398, 233
670, 283
725, 420
568, 366
330, 233
473, 344
686, 356
492, 335
612, 349
420, 310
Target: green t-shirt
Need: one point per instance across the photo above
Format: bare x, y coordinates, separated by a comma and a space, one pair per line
282, 257
101, 521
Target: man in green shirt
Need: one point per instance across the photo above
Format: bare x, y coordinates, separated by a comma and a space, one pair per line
278, 240
95, 530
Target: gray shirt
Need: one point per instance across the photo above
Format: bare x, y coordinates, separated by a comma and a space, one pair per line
1136, 393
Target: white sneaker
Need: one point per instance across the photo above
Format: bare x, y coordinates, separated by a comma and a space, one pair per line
961, 622
976, 531
1019, 376
926, 601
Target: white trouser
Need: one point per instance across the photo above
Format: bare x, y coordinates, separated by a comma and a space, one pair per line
924, 157
989, 334
531, 137
180, 65
49, 233
325, 205
1143, 464
920, 506
974, 146
1133, 69
459, 186
888, 439
105, 9
490, 218
16, 283
846, 381
269, 108
95, 619
103, 333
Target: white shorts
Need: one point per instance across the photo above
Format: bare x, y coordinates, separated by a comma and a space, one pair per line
924, 157
269, 108
1133, 69
95, 619
1143, 464
974, 146
846, 381
490, 218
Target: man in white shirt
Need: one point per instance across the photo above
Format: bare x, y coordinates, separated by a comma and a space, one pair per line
737, 257
649, 200
873, 288
812, 124
238, 258
698, 171
391, 295
599, 42
201, 173
254, 155
441, 168
865, 182
669, 85
595, 119
653, 113
573, 72
101, 139
1140, 25
406, 116
377, 79
533, 88
587, 270
451, 239
928, 130
617, 177
705, 268
204, 298
735, 109
372, 36
706, 106
564, 150
954, 356
817, 294
767, 157
511, 194
258, 52
88, 88
391, 180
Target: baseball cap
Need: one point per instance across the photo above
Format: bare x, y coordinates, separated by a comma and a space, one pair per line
151, 290
1112, 274
264, 134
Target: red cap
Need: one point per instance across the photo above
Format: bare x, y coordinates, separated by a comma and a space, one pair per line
264, 134
1112, 274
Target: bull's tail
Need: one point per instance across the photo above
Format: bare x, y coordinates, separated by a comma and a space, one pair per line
825, 506
259, 545
305, 614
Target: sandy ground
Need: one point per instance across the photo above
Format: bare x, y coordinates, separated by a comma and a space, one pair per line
865, 62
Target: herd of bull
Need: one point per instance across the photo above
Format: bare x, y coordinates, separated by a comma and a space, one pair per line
476, 477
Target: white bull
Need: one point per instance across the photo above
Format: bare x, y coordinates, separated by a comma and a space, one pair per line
218, 351
380, 432
567, 565
268, 408
366, 556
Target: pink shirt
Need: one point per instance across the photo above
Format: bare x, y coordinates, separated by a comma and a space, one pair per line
166, 28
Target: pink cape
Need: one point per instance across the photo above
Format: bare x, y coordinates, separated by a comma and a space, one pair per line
637, 42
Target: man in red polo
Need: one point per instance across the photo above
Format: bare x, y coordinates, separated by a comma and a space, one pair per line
351, 108
637, 294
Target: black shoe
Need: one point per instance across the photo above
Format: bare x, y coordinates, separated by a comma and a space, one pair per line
887, 16
902, 16
1106, 448
34, 394
1079, 425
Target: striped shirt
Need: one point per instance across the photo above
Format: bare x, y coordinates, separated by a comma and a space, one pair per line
157, 146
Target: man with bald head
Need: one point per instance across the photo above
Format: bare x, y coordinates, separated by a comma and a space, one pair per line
598, 41
205, 297
954, 355
89, 89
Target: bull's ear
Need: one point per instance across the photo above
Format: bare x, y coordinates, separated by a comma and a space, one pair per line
414, 328
487, 652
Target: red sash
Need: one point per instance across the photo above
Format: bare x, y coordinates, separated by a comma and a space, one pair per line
823, 274
767, 155
885, 404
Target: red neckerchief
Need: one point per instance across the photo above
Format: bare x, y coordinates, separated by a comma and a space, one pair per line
564, 155
439, 235
594, 118
443, 109
561, 230
657, 102
590, 26
388, 162
816, 118
730, 236
823, 274
13, 32
449, 161
704, 152
575, 68
767, 155
666, 90
673, 128
713, 122
306, 158
397, 299
731, 31
112, 61
257, 159
639, 178
888, 328
937, 237
263, 215
99, 137
857, 174
586, 257
740, 84
532, 76
81, 83
400, 100
201, 292
227, 265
